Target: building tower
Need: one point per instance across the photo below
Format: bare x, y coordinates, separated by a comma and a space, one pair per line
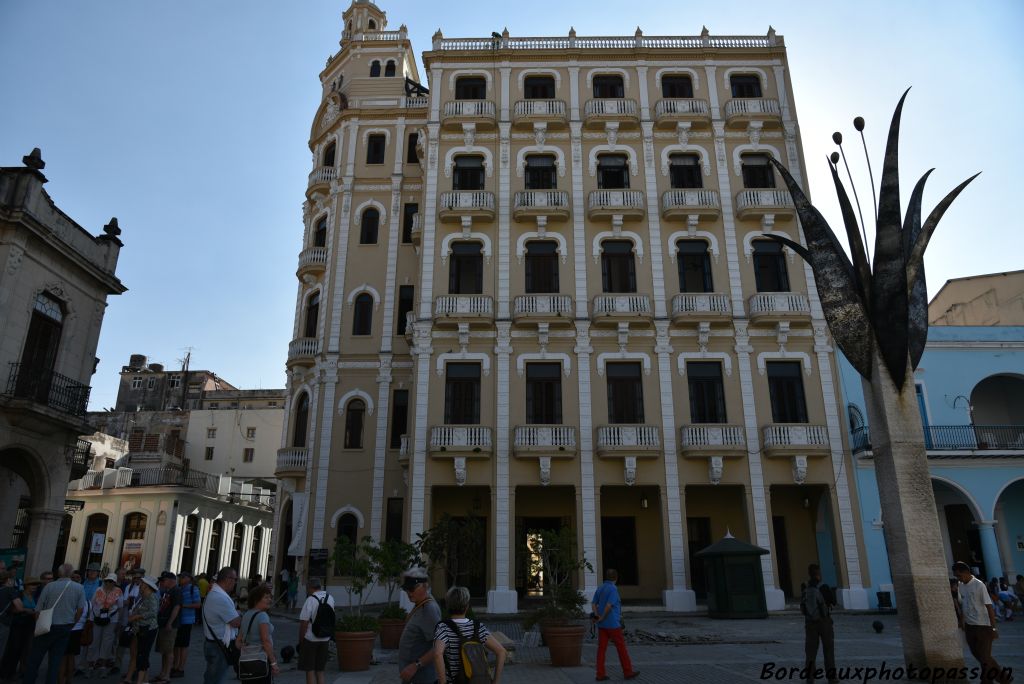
541, 295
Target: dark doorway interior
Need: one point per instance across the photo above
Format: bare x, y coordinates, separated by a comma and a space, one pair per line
531, 576
698, 537
782, 555
618, 548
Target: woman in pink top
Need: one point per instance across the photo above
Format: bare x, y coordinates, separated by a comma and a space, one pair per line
107, 604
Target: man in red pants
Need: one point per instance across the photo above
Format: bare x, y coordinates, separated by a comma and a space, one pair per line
606, 611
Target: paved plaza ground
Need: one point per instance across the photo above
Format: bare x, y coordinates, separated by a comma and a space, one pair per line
702, 650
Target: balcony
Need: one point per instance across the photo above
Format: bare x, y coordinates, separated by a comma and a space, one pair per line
553, 204
57, 395
966, 438
464, 308
616, 308
787, 439
312, 261
546, 440
320, 178
609, 203
706, 439
758, 203
416, 102
475, 203
681, 204
777, 306
600, 110
671, 111
291, 462
79, 458
551, 308
302, 351
458, 112
536, 111
740, 112
700, 306
634, 440
417, 230
460, 440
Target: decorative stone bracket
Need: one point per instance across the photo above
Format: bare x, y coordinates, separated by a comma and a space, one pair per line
799, 469
629, 463
460, 470
545, 470
715, 466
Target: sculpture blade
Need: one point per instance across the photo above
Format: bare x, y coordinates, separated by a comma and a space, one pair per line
862, 269
917, 294
915, 260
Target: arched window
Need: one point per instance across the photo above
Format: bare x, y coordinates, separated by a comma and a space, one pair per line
612, 171
471, 88
618, 270
745, 85
320, 233
213, 556
328, 159
469, 173
757, 171
609, 86
348, 528
372, 25
375, 69
389, 68
368, 227
770, 272
254, 555
235, 560
312, 315
188, 546
541, 267
694, 266
39, 355
540, 172
95, 524
684, 171
133, 538
300, 427
362, 319
676, 86
354, 413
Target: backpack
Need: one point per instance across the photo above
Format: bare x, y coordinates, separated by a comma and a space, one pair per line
472, 656
323, 621
812, 604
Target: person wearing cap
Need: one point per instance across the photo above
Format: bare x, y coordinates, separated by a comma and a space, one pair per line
416, 647
92, 580
23, 619
67, 601
107, 604
190, 602
144, 622
167, 622
313, 649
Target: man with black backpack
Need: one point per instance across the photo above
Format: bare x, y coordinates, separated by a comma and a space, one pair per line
316, 628
816, 605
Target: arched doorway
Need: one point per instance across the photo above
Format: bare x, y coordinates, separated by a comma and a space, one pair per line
188, 546
133, 540
1009, 515
213, 556
94, 541
997, 412
958, 524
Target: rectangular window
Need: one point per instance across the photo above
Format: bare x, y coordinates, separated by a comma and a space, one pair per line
539, 88
757, 172
618, 271
770, 273
375, 145
214, 405
410, 150
468, 173
248, 455
625, 393
409, 211
612, 172
684, 171
694, 265
745, 85
466, 269
208, 455
150, 383
211, 433
471, 88
786, 388
405, 305
544, 393
707, 393
393, 526
462, 394
136, 383
540, 172
541, 267
399, 417
250, 433
676, 87
175, 381
608, 86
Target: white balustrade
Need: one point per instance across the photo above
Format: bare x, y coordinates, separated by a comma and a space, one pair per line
542, 304
545, 436
611, 106
539, 108
534, 199
303, 347
751, 105
468, 200
794, 434
416, 101
322, 174
616, 199
763, 199
124, 477
292, 458
699, 199
465, 437
779, 303
313, 256
465, 305
687, 106
628, 436
700, 302
599, 43
697, 436
469, 108
383, 35
622, 304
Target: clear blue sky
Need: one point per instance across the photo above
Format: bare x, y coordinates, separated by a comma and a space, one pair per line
188, 120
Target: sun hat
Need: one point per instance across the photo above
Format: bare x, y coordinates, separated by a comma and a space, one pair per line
151, 583
110, 578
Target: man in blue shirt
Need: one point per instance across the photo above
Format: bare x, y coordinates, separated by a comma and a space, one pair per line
607, 613
92, 581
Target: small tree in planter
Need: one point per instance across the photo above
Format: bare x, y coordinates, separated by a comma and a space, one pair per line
450, 546
563, 603
354, 633
388, 560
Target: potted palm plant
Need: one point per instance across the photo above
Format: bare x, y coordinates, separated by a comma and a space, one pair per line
354, 632
388, 560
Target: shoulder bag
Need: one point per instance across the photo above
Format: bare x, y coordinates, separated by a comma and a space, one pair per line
45, 619
229, 650
252, 660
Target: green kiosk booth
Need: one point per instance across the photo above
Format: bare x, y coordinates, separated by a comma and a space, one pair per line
734, 580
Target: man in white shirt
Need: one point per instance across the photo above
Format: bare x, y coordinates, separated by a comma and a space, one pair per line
978, 620
220, 619
313, 649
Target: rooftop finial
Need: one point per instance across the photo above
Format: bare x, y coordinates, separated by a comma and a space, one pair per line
112, 229
34, 160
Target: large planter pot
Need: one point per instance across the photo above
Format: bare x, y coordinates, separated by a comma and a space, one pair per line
355, 650
390, 632
565, 644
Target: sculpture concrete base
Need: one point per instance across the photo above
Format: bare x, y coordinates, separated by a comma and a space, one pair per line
854, 598
775, 599
679, 600
502, 601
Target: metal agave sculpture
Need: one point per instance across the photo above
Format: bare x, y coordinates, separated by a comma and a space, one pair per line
887, 306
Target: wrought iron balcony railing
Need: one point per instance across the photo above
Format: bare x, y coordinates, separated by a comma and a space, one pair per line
48, 388
957, 438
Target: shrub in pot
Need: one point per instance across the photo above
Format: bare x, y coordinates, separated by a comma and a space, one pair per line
354, 633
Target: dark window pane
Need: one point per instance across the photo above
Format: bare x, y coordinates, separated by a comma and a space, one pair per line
757, 173
540, 172
541, 268
786, 388
539, 88
362, 319
694, 265
625, 393
770, 273
389, 68
368, 227
684, 171
707, 394
544, 393
608, 86
405, 305
399, 417
320, 233
618, 270
676, 86
466, 269
410, 151
375, 145
300, 427
612, 172
393, 527
354, 424
745, 85
329, 155
468, 173
374, 69
409, 210
462, 394
471, 88
312, 315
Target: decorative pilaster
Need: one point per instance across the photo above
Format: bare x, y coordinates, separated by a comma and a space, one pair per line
422, 351
318, 482
503, 598
381, 441
588, 487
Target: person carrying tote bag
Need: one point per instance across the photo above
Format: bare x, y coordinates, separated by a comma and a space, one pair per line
44, 620
256, 664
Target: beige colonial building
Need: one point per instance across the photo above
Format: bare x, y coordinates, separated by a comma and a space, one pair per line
540, 294
989, 299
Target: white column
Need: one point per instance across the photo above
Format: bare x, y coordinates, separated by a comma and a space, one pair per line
587, 497
422, 351
317, 478
502, 598
226, 539
246, 554
203, 545
380, 452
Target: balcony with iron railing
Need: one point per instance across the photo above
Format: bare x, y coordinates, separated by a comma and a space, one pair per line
609, 203
637, 440
786, 439
457, 112
953, 438
689, 307
291, 462
680, 204
535, 111
475, 308
47, 389
321, 177
549, 440
775, 306
602, 109
476, 203
755, 203
302, 351
553, 204
216, 486
741, 111
673, 110
460, 440
614, 308
79, 458
312, 261
705, 438
551, 308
